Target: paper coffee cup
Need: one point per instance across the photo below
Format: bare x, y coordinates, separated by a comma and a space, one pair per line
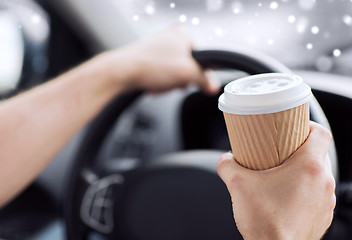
267, 118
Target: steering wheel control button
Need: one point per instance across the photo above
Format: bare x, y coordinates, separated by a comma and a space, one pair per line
97, 204
267, 118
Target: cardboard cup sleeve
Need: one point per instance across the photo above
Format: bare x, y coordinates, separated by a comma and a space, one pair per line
264, 141
267, 118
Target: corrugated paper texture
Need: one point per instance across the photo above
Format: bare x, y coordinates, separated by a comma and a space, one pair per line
264, 141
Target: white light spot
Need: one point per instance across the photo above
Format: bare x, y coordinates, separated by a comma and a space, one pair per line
135, 17
172, 5
35, 19
256, 14
260, 4
291, 19
237, 7
309, 46
219, 31
274, 5
236, 11
302, 24
214, 5
307, 4
149, 9
270, 42
337, 53
182, 18
347, 19
315, 30
195, 21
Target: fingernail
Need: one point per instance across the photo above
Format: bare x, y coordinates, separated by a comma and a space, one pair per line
227, 155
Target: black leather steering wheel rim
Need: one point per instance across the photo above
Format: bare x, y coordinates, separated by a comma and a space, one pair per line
98, 129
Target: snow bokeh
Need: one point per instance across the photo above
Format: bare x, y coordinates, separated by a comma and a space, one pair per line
284, 29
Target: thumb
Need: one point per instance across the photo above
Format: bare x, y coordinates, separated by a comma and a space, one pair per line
316, 146
229, 170
209, 83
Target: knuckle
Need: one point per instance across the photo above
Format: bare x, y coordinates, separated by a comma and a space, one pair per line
184, 76
331, 204
226, 171
219, 167
313, 167
330, 185
223, 163
325, 133
235, 179
188, 71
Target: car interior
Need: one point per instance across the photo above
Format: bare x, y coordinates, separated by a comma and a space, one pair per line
145, 167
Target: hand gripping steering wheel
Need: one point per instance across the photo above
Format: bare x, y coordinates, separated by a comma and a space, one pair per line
178, 196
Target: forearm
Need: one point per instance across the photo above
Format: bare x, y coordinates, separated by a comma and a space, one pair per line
35, 125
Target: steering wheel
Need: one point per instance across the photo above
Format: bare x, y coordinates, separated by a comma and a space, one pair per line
177, 196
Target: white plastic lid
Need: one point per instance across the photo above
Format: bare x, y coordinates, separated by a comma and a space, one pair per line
264, 93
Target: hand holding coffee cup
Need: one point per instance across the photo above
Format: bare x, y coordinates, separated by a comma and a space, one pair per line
267, 118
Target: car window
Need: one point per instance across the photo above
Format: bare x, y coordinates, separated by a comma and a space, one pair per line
307, 34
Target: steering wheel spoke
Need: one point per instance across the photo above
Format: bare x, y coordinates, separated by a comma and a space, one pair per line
98, 202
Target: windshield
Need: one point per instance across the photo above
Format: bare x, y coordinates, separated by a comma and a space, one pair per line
300, 33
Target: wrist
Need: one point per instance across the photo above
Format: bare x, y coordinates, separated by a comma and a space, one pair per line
267, 233
92, 82
121, 69
279, 235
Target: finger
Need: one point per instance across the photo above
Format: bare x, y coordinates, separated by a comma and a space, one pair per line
209, 83
226, 166
328, 164
314, 149
319, 139
229, 170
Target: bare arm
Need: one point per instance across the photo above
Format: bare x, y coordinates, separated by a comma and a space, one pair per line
293, 201
36, 124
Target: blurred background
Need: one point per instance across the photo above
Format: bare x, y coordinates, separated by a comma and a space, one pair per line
300, 33
48, 36
39, 39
